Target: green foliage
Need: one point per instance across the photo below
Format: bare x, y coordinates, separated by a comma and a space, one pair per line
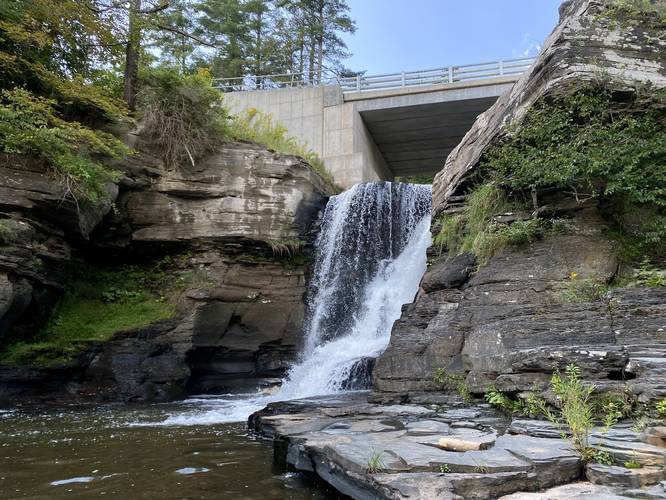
7, 232
181, 114
575, 413
632, 464
530, 407
599, 456
255, 126
375, 463
649, 276
452, 382
475, 230
30, 125
444, 468
99, 302
50, 48
650, 13
594, 145
661, 408
584, 290
611, 407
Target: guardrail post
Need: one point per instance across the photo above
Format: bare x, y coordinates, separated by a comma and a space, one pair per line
358, 82
501, 67
403, 78
450, 74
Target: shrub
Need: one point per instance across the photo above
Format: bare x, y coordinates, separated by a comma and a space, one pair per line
255, 126
584, 290
594, 144
181, 114
452, 382
475, 230
575, 412
30, 125
531, 407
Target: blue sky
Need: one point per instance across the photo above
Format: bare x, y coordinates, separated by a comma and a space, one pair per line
396, 35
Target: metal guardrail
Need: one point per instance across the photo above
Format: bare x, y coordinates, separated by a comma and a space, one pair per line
362, 83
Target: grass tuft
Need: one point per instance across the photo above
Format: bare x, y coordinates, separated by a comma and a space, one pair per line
255, 126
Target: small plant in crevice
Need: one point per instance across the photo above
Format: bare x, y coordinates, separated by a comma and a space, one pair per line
661, 408
7, 232
375, 463
583, 290
529, 407
633, 463
286, 247
444, 468
452, 382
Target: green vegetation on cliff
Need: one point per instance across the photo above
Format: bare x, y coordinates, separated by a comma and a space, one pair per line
255, 126
99, 302
591, 144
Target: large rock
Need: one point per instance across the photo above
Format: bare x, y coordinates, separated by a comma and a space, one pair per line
370, 451
511, 321
237, 216
584, 47
240, 196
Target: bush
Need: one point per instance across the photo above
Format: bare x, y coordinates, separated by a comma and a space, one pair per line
255, 126
594, 144
474, 230
584, 290
30, 125
452, 382
181, 114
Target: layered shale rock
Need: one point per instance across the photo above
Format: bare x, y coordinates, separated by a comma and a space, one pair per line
507, 323
587, 46
239, 224
371, 451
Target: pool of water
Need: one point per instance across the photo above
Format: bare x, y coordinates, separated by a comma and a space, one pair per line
117, 452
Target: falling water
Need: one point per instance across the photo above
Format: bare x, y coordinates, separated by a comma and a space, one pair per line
370, 257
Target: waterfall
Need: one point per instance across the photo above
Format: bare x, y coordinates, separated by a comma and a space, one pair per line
370, 257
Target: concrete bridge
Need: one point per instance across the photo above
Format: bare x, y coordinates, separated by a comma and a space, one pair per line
379, 127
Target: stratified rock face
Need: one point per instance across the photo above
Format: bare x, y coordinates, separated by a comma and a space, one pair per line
237, 324
509, 323
242, 194
584, 47
38, 225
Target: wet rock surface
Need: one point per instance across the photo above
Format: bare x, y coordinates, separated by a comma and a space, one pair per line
392, 451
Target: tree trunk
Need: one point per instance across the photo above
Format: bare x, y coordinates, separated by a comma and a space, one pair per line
320, 40
132, 55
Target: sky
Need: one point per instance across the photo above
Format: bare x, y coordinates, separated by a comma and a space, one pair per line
397, 35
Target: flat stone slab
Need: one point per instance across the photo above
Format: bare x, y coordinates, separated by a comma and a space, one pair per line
586, 491
374, 451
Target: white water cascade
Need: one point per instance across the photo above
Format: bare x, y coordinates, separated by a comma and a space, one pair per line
370, 257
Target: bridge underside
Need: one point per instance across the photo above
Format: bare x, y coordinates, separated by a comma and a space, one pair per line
415, 140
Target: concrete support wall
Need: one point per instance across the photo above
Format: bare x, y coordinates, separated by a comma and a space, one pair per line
342, 129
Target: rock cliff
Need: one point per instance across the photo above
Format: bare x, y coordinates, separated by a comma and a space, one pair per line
237, 223
507, 323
